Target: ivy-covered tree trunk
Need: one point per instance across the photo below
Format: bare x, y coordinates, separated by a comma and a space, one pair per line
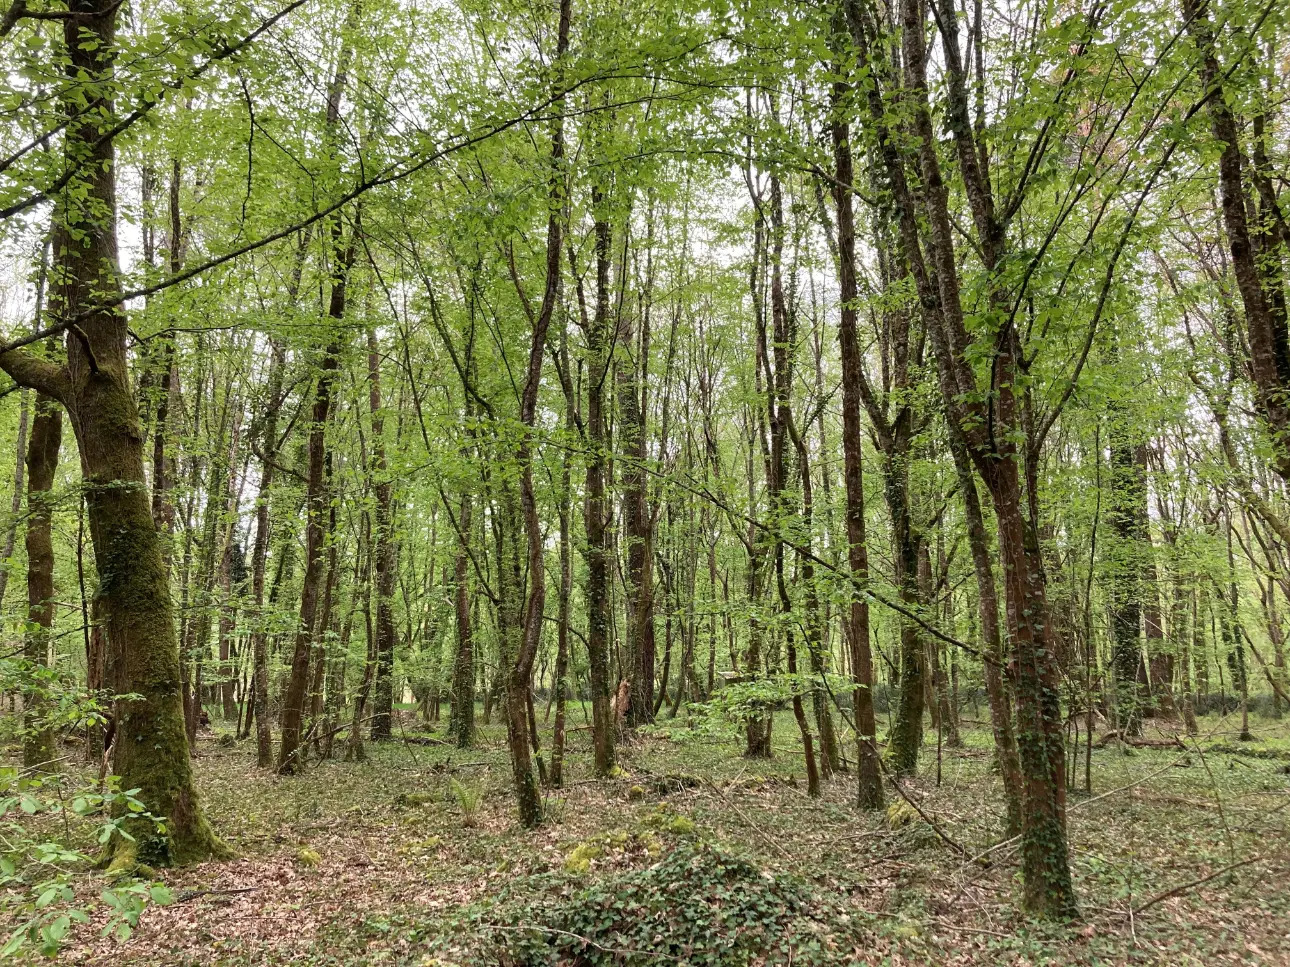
994, 656
294, 698
630, 361
1128, 492
259, 558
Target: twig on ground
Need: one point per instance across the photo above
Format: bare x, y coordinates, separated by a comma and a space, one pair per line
1184, 887
187, 895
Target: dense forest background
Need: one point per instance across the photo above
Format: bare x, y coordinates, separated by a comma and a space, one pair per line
851, 387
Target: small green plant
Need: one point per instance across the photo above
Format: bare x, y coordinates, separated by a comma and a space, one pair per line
51, 822
39, 873
554, 808
469, 797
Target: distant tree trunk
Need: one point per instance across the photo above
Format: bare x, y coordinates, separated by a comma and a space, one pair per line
354, 751
596, 509
385, 548
1230, 620
1183, 639
461, 718
322, 653
42, 463
228, 550
260, 553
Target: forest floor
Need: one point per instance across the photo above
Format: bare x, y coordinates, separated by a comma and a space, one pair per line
696, 856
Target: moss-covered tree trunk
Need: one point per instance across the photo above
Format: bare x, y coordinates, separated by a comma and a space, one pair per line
151, 748
19, 476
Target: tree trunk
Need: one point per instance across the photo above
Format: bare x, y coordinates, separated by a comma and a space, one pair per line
385, 549
461, 717
42, 463
260, 553
151, 748
868, 771
596, 509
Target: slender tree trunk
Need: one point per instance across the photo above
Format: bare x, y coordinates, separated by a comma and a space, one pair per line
293, 705
869, 776
461, 718
995, 658
259, 557
596, 509
42, 463
385, 549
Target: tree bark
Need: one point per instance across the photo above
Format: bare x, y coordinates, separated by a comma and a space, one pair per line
42, 463
868, 772
151, 748
385, 549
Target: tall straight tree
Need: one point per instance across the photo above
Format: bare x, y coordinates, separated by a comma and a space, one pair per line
869, 777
